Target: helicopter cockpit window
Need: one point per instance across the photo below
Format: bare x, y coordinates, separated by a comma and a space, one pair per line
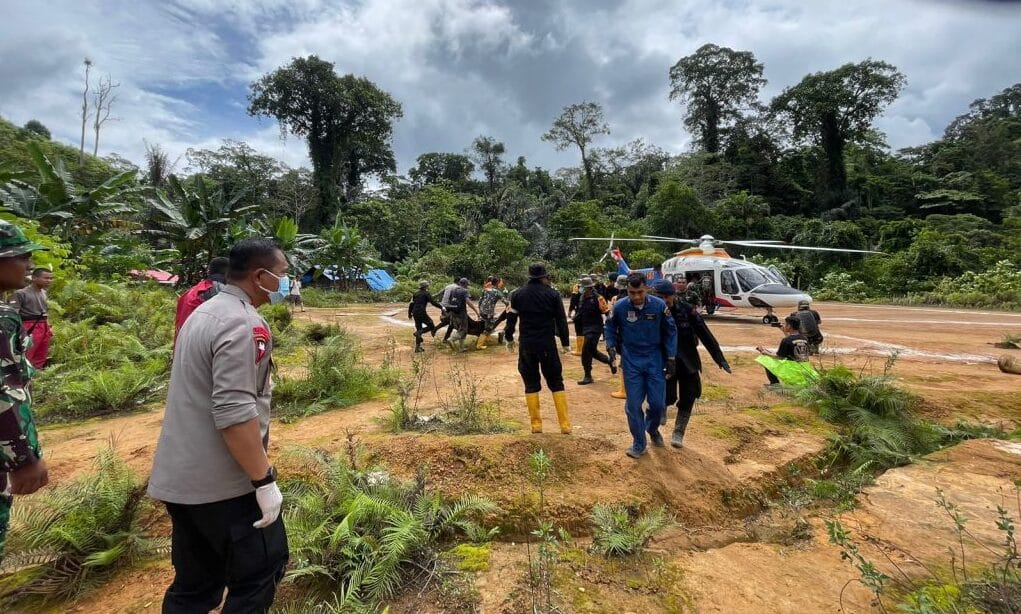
727, 283
777, 275
751, 279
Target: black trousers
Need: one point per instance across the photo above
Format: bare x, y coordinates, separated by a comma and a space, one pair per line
214, 546
423, 324
591, 350
772, 378
684, 389
532, 360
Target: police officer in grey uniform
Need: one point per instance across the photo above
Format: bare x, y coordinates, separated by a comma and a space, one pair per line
211, 468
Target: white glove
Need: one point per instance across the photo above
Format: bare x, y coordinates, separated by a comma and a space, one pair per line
270, 500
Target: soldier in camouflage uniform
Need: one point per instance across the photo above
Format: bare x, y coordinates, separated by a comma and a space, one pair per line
20, 454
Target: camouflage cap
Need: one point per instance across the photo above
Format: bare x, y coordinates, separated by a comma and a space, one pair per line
13, 241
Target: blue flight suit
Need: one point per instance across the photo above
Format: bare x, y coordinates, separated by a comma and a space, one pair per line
644, 338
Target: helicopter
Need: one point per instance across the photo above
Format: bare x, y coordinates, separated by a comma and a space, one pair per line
729, 282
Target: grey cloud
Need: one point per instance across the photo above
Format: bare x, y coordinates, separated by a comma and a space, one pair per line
467, 67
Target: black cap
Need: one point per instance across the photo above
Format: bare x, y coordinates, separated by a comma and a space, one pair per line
537, 270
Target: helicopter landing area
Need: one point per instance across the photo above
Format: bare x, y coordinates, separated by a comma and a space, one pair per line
914, 334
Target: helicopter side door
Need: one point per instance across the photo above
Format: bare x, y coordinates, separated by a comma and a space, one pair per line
728, 292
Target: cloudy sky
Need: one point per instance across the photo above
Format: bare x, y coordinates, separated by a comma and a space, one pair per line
462, 68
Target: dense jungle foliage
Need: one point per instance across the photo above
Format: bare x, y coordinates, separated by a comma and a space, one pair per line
807, 167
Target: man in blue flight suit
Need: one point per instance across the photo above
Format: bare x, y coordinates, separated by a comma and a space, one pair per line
642, 330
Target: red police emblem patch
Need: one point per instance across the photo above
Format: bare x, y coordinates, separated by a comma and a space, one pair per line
262, 338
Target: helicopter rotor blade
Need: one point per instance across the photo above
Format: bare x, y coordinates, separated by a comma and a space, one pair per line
753, 242
807, 248
670, 239
621, 239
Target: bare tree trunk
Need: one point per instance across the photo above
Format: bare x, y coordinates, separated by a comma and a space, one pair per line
104, 98
85, 112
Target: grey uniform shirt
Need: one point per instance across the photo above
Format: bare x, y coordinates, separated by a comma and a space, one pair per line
220, 377
31, 301
445, 300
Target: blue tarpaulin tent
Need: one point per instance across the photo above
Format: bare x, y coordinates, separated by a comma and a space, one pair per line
377, 279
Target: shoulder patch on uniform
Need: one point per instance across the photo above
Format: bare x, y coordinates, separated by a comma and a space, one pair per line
262, 337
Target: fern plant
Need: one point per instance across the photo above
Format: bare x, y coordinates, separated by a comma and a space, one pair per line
368, 531
878, 427
69, 539
620, 530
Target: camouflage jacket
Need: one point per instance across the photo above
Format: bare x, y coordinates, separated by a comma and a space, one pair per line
19, 441
489, 300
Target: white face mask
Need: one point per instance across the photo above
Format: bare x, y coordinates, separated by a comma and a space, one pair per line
283, 288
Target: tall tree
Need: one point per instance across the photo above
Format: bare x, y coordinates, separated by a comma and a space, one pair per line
347, 122
104, 99
433, 167
487, 153
577, 125
837, 107
85, 111
715, 83
235, 166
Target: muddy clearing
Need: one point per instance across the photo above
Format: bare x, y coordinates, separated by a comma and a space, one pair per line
729, 552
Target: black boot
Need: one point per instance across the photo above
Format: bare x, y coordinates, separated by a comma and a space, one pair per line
677, 439
585, 380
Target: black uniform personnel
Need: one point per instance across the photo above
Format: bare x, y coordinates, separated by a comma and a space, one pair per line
686, 386
793, 347
589, 317
572, 312
541, 312
417, 309
808, 325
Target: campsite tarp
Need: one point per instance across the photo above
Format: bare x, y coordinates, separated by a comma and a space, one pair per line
377, 279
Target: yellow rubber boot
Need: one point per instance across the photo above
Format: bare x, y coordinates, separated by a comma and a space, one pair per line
620, 393
579, 343
560, 402
481, 343
532, 400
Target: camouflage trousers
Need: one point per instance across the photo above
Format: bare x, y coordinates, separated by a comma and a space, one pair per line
5, 519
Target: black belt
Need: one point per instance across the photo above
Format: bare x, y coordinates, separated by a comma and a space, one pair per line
26, 318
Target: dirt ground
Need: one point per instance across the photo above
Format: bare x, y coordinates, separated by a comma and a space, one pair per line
727, 553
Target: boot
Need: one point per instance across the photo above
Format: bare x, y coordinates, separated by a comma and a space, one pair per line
677, 439
620, 393
419, 348
483, 340
560, 402
579, 343
532, 401
586, 380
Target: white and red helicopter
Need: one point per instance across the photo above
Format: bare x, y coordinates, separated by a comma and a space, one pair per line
732, 282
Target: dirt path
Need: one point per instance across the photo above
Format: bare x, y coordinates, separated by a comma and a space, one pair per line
740, 440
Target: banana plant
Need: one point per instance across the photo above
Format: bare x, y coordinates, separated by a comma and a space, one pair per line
346, 251
194, 221
75, 214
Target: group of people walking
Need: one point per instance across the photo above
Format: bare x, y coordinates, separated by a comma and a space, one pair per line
211, 467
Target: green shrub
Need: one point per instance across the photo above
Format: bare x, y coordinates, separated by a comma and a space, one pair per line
85, 392
840, 286
877, 424
317, 332
362, 536
70, 538
278, 316
620, 530
334, 376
